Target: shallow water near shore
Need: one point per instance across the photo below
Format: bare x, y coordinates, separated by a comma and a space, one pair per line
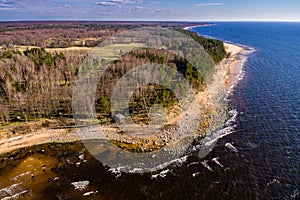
257, 154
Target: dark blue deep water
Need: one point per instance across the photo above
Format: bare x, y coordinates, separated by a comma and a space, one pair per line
267, 136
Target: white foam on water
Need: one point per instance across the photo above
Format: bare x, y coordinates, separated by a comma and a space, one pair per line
230, 122
295, 194
207, 141
229, 128
193, 163
240, 74
231, 147
216, 160
117, 171
218, 135
204, 163
240, 68
206, 144
252, 145
162, 174
136, 170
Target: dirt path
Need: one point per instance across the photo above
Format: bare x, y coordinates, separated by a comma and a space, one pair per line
37, 137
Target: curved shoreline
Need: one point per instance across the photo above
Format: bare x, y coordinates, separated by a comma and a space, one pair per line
191, 27
227, 70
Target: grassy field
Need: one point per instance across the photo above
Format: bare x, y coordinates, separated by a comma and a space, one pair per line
107, 49
112, 52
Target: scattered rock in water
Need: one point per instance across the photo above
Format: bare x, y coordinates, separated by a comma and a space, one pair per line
80, 185
69, 162
15, 196
89, 193
44, 167
196, 174
25, 174
81, 157
9, 190
42, 151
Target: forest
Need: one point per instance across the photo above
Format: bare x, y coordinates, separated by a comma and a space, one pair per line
36, 83
215, 48
69, 34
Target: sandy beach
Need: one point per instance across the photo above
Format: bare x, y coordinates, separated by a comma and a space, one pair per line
225, 74
230, 64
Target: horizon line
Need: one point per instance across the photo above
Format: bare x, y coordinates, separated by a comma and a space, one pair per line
182, 21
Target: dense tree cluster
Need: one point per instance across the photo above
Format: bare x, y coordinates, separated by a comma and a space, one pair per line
215, 48
146, 96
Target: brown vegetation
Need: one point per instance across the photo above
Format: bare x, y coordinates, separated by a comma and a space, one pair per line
36, 84
68, 34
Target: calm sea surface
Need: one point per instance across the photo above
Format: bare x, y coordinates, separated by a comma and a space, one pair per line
259, 159
267, 136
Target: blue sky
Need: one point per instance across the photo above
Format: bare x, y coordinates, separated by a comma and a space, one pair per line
183, 10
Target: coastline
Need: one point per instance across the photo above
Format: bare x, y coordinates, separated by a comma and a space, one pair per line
228, 73
191, 27
235, 64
